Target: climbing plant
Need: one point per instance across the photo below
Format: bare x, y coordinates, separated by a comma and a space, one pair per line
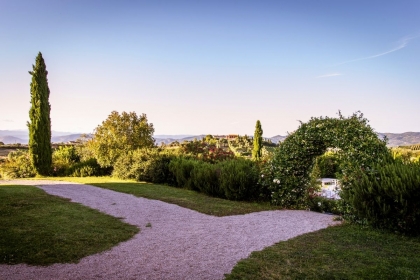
355, 143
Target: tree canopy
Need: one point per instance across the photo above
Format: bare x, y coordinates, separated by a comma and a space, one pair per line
120, 133
40, 123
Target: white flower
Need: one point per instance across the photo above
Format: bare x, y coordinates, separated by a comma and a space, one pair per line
262, 175
319, 203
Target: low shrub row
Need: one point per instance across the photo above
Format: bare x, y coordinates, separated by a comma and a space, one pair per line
235, 179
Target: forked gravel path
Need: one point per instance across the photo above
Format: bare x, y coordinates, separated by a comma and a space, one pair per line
180, 244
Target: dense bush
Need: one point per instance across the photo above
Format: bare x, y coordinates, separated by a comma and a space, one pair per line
151, 165
205, 177
387, 195
17, 165
63, 158
324, 205
235, 179
181, 168
239, 179
86, 168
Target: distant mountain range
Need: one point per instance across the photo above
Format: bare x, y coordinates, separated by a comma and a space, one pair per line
21, 136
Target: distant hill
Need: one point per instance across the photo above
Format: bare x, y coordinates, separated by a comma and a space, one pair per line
21, 136
12, 140
278, 138
401, 139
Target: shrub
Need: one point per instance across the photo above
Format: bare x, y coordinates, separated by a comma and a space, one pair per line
181, 169
17, 165
151, 165
86, 168
324, 205
387, 196
205, 176
63, 158
239, 179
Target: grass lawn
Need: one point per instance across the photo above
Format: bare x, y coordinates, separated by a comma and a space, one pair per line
40, 229
341, 252
185, 198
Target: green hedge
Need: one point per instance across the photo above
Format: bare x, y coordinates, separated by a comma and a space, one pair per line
388, 196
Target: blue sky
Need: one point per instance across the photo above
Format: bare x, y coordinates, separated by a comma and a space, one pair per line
199, 67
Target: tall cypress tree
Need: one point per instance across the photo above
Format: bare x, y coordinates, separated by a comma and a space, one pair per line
39, 116
256, 152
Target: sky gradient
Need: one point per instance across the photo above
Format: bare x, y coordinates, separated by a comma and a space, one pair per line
213, 67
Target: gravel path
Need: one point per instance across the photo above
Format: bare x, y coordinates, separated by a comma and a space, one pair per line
180, 244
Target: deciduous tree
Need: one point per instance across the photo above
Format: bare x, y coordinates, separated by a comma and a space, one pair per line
120, 133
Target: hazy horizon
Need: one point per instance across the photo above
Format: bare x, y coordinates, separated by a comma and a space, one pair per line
213, 67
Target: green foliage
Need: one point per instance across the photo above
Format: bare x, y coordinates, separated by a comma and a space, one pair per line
206, 150
119, 134
258, 142
205, 176
17, 165
239, 179
150, 165
387, 195
181, 168
85, 168
235, 179
40, 122
328, 165
356, 142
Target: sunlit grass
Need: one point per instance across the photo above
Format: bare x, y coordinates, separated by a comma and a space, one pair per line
40, 229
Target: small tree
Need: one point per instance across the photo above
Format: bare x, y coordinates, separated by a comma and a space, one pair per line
119, 134
40, 123
256, 152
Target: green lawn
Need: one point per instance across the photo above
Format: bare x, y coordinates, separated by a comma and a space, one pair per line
185, 198
40, 229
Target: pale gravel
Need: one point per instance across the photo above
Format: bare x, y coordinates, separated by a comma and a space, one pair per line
180, 244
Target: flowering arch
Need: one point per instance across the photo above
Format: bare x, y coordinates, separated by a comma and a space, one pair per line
356, 142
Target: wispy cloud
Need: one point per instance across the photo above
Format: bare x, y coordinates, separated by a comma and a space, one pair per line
402, 43
329, 75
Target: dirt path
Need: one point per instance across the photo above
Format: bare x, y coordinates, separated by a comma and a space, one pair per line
180, 244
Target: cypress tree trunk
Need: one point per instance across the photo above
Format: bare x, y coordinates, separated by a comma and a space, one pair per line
256, 152
40, 122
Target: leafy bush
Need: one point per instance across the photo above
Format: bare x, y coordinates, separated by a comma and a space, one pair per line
239, 179
205, 176
324, 205
181, 168
86, 168
17, 165
63, 158
387, 196
151, 165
